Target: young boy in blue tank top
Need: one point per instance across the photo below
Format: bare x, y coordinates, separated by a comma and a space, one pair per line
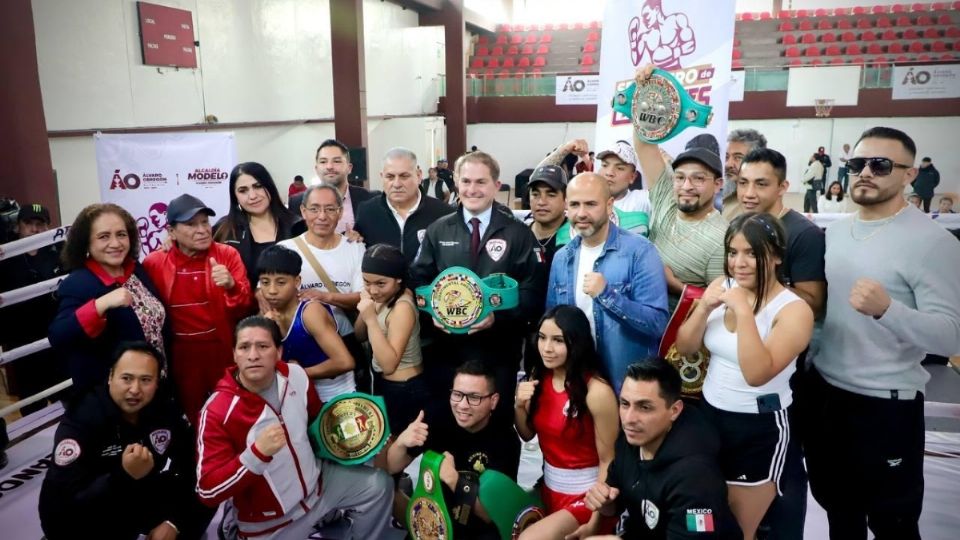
310, 334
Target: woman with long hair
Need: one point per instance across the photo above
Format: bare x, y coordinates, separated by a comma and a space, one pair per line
571, 408
833, 201
107, 298
389, 321
754, 342
257, 218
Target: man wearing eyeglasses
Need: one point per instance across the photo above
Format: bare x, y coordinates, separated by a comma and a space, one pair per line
338, 259
863, 402
470, 442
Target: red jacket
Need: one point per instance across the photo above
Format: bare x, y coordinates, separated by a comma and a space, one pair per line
268, 492
227, 305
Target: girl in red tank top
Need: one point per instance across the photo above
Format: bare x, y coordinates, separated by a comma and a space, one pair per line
569, 406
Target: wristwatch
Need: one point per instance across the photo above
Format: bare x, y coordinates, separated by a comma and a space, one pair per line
660, 107
458, 298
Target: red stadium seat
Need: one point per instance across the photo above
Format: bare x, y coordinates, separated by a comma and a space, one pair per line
519, 28
917, 47
918, 7
824, 25
874, 48
946, 57
536, 73
543, 49
821, 13
519, 74
765, 16
789, 39
785, 14
737, 64
828, 38
523, 62
903, 20
896, 48
736, 54
841, 12
863, 23
944, 19
593, 36
786, 26
802, 13
858, 60
924, 58
852, 49
898, 8
591, 46
806, 24
879, 61
531, 38
939, 6
587, 60
859, 10
488, 74
483, 51
493, 63
504, 74
848, 37
956, 46
501, 39
476, 63
889, 35
883, 22
931, 33
901, 59
497, 51
816, 62
516, 39
844, 24
546, 38
539, 61
811, 51
483, 39
795, 62
792, 52
837, 60
548, 26
832, 50
508, 62
513, 50
939, 47
953, 32
877, 10
594, 25
527, 49
956, 6
868, 36
746, 16
910, 33
808, 38
924, 20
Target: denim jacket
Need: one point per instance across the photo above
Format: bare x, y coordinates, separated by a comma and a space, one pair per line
630, 315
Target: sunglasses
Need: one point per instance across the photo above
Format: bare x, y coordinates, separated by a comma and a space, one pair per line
879, 166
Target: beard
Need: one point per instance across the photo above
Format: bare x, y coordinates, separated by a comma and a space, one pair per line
690, 207
871, 196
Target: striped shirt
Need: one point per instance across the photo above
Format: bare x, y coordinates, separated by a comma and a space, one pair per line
692, 249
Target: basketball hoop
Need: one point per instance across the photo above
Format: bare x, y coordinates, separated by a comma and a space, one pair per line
823, 107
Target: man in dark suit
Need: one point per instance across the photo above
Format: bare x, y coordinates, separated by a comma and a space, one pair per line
333, 167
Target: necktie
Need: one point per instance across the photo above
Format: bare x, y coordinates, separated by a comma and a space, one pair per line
475, 239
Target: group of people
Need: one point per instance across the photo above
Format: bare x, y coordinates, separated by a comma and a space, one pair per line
248, 325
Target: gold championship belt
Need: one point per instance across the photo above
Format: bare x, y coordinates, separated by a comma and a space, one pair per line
427, 516
351, 428
692, 368
458, 298
660, 107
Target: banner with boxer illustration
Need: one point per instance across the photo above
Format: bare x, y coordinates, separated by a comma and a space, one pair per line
691, 39
143, 172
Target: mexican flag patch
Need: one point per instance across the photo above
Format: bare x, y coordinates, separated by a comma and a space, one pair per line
700, 520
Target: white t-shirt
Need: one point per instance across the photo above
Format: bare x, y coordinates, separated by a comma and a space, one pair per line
341, 263
636, 200
588, 257
833, 206
725, 387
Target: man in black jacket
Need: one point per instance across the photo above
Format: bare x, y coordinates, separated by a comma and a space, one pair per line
333, 167
665, 473
927, 180
503, 245
400, 215
123, 461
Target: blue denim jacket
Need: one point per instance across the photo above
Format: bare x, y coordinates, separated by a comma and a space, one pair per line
630, 315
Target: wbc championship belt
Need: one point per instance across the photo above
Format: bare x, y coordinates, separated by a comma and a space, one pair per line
692, 368
427, 516
351, 428
458, 298
660, 107
511, 508
635, 222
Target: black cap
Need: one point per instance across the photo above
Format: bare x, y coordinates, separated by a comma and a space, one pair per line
550, 175
703, 149
34, 211
184, 207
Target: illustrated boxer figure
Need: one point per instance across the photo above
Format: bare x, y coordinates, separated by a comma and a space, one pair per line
660, 39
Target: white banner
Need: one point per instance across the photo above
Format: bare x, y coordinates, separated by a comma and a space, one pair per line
692, 39
144, 172
577, 89
926, 82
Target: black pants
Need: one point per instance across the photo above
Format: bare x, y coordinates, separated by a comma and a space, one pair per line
926, 203
810, 201
842, 178
788, 512
865, 459
404, 399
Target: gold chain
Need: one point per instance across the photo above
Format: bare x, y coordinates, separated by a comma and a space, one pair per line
885, 222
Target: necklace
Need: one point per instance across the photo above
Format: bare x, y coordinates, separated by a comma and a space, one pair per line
692, 229
882, 223
546, 240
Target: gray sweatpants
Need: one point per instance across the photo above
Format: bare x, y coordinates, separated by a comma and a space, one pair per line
364, 494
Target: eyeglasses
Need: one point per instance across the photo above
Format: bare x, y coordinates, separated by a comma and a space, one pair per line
457, 396
696, 179
879, 166
328, 210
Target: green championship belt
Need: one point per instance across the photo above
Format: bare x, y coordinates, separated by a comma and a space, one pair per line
427, 516
458, 298
693, 367
511, 508
660, 107
635, 222
350, 429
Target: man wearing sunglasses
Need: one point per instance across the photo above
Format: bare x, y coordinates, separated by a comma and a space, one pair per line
470, 442
863, 402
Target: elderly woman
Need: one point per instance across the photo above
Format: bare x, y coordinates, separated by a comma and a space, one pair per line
107, 298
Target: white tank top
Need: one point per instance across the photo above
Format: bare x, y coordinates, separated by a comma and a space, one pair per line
725, 388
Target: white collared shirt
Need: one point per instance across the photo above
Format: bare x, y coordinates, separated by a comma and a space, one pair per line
484, 218
401, 221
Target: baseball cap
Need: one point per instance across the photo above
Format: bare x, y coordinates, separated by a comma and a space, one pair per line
624, 151
703, 149
184, 207
550, 175
34, 211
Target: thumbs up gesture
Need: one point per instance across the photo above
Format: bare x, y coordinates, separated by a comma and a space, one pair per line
415, 435
220, 274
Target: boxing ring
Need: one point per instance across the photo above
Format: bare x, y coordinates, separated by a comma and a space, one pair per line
31, 437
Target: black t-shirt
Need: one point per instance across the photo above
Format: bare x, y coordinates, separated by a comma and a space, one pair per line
805, 250
27, 321
496, 446
549, 245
